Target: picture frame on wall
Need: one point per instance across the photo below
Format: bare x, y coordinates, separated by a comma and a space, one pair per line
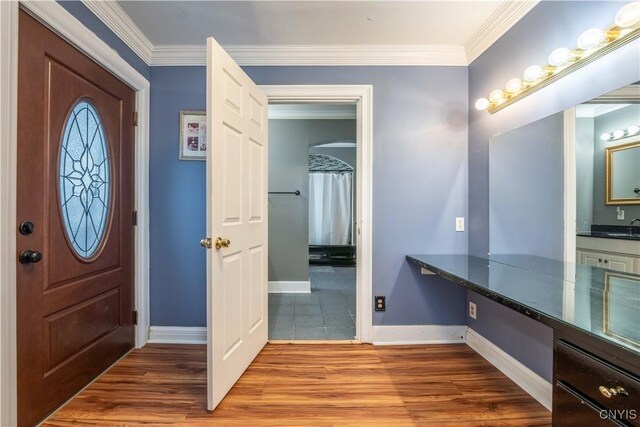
193, 135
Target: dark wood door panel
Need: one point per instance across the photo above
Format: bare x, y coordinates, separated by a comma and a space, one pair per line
74, 311
64, 86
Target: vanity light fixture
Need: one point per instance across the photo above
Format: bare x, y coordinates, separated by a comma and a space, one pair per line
620, 133
591, 45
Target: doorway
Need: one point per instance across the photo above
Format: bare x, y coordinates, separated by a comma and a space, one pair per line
312, 202
350, 97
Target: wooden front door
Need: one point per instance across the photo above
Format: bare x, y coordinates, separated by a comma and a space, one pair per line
74, 214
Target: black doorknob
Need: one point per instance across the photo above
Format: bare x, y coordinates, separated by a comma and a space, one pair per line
28, 256
27, 227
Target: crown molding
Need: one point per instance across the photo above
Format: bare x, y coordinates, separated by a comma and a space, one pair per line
316, 55
118, 21
500, 21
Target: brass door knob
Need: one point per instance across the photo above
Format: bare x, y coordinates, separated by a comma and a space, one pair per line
206, 243
222, 243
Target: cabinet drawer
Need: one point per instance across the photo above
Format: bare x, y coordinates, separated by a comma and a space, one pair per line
572, 410
586, 374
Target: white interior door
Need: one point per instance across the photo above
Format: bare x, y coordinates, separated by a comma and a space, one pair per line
236, 222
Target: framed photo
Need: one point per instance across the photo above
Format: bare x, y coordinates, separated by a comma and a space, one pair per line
193, 135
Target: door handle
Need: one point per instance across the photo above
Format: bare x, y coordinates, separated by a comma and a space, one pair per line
222, 243
206, 243
30, 257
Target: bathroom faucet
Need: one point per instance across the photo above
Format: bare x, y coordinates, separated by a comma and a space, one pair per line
631, 225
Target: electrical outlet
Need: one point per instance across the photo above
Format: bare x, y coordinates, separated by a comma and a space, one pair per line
620, 214
472, 310
380, 304
460, 223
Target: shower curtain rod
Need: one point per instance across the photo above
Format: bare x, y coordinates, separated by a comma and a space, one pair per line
329, 171
297, 192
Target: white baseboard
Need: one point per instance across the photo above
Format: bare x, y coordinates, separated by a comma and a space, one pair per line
290, 287
418, 334
177, 335
536, 386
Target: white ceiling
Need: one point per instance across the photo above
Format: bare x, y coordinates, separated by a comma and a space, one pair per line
304, 32
310, 22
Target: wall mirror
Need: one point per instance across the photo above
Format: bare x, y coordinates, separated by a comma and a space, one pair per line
622, 172
564, 187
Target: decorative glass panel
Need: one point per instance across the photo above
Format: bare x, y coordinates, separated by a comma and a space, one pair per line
85, 179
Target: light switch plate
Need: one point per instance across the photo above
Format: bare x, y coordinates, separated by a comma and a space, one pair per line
460, 223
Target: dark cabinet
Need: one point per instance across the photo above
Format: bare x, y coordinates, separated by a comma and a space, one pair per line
589, 391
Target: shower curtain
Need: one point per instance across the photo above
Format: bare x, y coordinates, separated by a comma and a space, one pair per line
329, 208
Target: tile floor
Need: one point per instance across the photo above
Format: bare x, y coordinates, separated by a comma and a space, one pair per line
327, 313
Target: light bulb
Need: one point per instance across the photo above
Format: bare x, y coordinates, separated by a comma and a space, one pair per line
632, 130
482, 104
617, 134
591, 38
514, 86
560, 57
496, 96
605, 136
628, 15
533, 73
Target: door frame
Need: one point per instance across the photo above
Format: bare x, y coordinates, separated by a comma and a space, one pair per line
55, 17
362, 96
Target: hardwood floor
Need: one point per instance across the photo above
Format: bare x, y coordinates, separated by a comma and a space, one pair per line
310, 385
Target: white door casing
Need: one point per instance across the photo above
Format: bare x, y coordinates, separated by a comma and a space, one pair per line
236, 210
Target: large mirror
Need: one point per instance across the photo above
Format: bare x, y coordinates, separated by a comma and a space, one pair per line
622, 171
567, 187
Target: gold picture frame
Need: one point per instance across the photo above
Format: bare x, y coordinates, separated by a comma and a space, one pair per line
609, 169
608, 306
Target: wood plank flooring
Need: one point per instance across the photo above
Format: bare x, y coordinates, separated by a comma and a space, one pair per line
308, 385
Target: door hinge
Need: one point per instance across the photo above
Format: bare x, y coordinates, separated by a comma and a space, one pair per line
135, 118
134, 217
135, 317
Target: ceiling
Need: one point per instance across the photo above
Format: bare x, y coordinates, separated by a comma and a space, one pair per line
305, 32
310, 22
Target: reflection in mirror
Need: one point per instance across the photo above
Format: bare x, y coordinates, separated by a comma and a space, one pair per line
548, 187
621, 316
623, 174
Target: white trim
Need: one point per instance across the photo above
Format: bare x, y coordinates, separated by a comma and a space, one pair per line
67, 26
316, 55
570, 184
287, 287
312, 112
8, 180
114, 17
177, 335
536, 386
362, 96
419, 334
500, 21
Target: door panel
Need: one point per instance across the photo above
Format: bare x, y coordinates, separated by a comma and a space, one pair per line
236, 201
75, 172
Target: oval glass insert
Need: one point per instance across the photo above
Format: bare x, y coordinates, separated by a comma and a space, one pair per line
85, 179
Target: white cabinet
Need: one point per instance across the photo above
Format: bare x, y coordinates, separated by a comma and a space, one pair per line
614, 254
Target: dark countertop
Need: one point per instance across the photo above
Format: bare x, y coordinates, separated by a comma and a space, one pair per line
604, 304
607, 235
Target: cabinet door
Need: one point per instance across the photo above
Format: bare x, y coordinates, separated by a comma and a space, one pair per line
618, 262
592, 259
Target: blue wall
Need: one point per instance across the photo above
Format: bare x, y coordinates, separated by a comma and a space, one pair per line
419, 180
526, 190
548, 26
92, 22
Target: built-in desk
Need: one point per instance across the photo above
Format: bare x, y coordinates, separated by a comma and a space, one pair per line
595, 314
